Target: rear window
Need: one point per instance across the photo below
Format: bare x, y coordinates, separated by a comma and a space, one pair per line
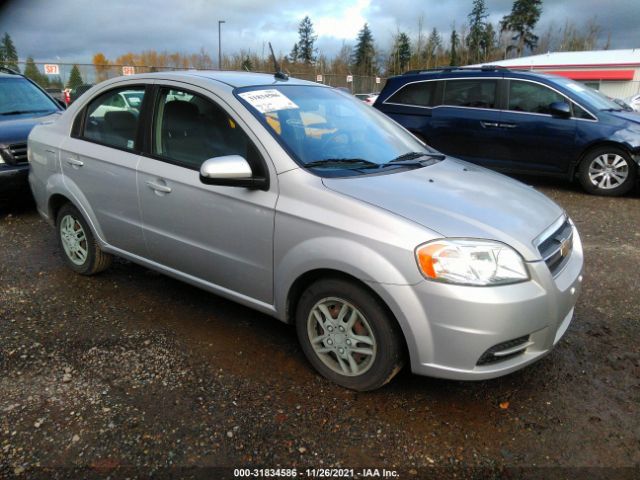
420, 94
476, 93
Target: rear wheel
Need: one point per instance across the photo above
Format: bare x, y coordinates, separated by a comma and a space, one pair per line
81, 251
607, 171
348, 335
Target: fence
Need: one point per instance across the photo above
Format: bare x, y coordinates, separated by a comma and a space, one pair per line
90, 73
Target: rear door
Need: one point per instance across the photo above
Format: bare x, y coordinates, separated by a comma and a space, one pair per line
466, 121
101, 158
217, 234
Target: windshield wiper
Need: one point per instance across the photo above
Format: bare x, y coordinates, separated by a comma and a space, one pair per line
342, 163
422, 159
18, 112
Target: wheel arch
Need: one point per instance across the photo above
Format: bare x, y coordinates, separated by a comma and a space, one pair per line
575, 166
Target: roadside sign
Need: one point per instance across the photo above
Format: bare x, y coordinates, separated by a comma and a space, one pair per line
349, 78
378, 80
51, 69
318, 78
128, 70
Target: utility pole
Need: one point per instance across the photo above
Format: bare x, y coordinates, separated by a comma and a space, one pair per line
220, 22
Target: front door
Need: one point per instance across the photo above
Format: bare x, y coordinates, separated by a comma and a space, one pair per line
217, 234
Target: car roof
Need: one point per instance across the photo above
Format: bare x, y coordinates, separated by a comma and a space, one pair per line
484, 71
231, 78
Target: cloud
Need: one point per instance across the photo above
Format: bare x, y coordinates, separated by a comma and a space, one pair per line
73, 30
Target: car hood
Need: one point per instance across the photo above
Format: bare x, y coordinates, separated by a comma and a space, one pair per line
628, 116
15, 129
457, 199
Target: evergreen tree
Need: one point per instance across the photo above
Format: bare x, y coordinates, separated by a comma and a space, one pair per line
306, 48
247, 64
31, 71
477, 27
364, 54
295, 54
8, 53
75, 79
400, 54
434, 42
489, 43
455, 40
521, 21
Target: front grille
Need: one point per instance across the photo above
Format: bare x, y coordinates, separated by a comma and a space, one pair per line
504, 351
557, 248
16, 153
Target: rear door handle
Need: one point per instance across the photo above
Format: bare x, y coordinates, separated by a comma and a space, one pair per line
489, 124
508, 125
74, 162
157, 187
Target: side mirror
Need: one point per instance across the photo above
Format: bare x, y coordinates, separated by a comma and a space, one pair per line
560, 109
231, 171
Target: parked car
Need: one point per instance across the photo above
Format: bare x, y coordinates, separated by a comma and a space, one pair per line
519, 121
302, 202
56, 93
634, 102
79, 90
368, 98
23, 104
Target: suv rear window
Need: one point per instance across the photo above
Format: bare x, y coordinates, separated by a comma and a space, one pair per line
475, 93
420, 94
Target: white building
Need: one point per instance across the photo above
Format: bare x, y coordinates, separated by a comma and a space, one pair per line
614, 72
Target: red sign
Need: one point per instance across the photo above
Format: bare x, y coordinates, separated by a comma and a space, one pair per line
51, 69
128, 70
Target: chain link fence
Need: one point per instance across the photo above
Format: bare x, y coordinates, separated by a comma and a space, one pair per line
58, 75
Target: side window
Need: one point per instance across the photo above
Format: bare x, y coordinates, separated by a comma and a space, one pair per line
110, 121
189, 129
579, 112
531, 97
477, 93
421, 94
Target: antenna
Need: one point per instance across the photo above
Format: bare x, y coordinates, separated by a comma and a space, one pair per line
280, 75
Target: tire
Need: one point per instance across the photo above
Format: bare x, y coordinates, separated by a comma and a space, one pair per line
607, 171
79, 247
367, 328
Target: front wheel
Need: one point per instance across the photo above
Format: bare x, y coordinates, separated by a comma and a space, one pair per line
348, 335
607, 171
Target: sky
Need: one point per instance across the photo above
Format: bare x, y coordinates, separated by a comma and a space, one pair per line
73, 30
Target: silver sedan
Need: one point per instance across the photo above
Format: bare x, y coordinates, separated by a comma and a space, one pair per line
302, 202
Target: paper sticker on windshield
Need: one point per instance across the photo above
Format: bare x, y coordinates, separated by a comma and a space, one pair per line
266, 101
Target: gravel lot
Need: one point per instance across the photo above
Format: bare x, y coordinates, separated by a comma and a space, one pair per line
132, 373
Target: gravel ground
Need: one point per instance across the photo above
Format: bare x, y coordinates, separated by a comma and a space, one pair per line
131, 373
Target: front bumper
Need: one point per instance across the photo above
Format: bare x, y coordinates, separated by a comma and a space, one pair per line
13, 177
449, 328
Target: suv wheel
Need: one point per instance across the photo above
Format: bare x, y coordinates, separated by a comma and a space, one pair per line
347, 335
81, 251
607, 171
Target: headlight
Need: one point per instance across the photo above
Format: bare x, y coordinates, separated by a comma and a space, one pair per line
471, 262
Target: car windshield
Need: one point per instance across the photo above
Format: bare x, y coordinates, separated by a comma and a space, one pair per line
594, 97
19, 96
334, 132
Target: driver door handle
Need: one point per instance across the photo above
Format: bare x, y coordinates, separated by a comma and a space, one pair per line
74, 162
157, 187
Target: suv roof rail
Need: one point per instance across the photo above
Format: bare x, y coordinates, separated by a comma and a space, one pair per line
483, 68
9, 70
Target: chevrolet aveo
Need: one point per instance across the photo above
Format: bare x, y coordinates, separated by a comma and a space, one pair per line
304, 203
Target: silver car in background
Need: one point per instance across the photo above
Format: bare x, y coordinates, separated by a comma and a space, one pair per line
304, 203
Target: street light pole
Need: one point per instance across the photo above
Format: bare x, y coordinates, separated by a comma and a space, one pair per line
220, 22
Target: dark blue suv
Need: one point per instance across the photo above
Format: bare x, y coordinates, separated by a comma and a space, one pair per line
519, 121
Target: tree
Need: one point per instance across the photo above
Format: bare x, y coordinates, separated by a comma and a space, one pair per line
434, 43
489, 43
400, 54
8, 53
477, 31
295, 53
455, 40
31, 71
101, 64
75, 79
521, 22
306, 48
364, 55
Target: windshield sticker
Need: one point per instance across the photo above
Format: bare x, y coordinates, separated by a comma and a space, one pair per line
266, 101
575, 87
